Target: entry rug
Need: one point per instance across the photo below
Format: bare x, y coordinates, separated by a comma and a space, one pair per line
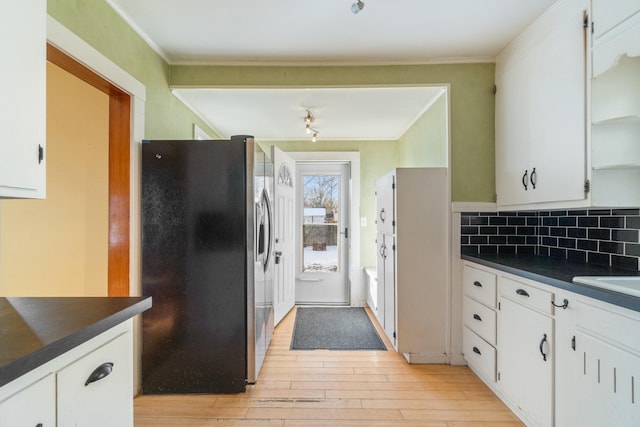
334, 328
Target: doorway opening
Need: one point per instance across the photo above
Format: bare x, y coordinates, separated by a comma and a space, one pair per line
119, 165
322, 238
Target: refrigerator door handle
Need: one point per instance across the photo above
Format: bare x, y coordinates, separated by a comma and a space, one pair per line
266, 228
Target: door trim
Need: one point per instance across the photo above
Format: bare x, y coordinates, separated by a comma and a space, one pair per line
119, 131
127, 96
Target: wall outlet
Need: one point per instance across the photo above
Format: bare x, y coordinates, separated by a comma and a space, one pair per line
363, 221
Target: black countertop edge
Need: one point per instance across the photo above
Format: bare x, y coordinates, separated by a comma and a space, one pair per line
560, 273
133, 306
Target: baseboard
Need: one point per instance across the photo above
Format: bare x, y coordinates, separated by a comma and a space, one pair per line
457, 359
426, 358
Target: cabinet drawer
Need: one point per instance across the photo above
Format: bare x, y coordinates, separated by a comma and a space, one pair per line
526, 295
480, 285
479, 354
607, 14
32, 406
480, 319
106, 401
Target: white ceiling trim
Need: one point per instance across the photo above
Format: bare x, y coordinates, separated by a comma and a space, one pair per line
153, 45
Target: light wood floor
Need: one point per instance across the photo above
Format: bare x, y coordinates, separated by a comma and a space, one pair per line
337, 388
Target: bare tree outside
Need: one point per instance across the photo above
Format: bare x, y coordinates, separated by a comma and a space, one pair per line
320, 231
321, 191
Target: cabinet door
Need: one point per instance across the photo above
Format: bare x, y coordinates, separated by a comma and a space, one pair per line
385, 206
607, 384
558, 113
23, 101
33, 406
540, 112
390, 288
93, 393
525, 360
380, 263
512, 129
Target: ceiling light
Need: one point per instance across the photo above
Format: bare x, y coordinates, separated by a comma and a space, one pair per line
308, 119
357, 6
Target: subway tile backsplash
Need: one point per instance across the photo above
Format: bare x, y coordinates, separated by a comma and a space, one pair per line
598, 236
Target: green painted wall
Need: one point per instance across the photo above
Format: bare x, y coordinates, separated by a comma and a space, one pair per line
472, 100
425, 143
472, 104
100, 26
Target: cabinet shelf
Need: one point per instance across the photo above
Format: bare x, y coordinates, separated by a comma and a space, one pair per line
621, 120
620, 167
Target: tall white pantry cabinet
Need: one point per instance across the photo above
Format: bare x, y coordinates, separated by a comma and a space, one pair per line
412, 227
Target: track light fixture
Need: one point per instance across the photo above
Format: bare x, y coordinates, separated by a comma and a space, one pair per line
308, 119
357, 6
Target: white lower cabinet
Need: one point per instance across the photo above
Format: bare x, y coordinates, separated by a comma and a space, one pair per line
598, 383
525, 360
479, 318
94, 390
90, 385
575, 364
33, 406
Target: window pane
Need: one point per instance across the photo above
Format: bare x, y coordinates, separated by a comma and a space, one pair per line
320, 223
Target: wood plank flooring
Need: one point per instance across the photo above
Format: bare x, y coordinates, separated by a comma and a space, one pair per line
334, 389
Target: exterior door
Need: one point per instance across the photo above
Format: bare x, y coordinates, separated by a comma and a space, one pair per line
323, 240
284, 296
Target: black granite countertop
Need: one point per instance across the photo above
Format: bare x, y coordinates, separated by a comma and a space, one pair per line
34, 331
560, 273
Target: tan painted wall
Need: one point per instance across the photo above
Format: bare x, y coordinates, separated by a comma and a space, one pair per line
58, 246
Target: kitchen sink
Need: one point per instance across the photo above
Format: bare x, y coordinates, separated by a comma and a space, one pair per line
629, 285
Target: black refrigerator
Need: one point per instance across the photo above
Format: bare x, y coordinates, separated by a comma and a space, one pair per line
206, 261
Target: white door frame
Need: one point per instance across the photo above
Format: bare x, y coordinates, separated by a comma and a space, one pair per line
68, 42
356, 275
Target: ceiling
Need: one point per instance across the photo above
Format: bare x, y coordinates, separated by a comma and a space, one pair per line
323, 32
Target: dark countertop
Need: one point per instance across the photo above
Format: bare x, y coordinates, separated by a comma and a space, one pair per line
560, 273
34, 331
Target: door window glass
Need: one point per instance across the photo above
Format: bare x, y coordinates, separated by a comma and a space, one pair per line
320, 223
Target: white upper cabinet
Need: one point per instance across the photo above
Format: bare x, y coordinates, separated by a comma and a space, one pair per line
23, 42
541, 111
615, 103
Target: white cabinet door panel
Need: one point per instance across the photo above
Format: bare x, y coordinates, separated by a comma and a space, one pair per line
608, 384
525, 360
23, 101
385, 204
32, 406
105, 402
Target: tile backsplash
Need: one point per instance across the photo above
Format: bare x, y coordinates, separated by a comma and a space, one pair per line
598, 236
